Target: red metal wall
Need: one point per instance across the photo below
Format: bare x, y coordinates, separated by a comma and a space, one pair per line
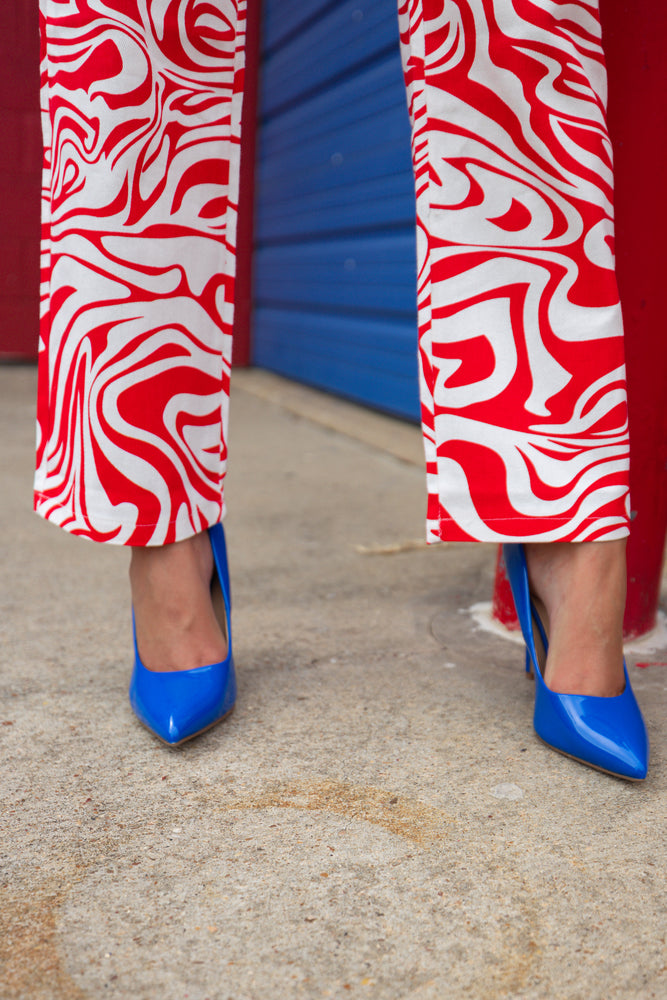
246, 220
634, 34
20, 165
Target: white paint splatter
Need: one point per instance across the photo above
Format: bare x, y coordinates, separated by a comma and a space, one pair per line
507, 790
655, 640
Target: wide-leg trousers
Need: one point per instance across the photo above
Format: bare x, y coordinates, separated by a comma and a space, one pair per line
522, 373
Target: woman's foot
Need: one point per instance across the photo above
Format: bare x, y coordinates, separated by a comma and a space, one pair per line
579, 589
176, 625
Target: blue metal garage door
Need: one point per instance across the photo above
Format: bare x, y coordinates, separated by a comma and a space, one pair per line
335, 247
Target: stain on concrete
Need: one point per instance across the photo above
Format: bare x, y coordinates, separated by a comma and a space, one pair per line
416, 821
29, 959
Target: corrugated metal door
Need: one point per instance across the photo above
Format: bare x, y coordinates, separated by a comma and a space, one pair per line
335, 245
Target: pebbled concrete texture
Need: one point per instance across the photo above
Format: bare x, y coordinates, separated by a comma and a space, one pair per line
375, 820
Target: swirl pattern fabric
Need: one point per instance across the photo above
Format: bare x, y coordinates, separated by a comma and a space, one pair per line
141, 117
520, 331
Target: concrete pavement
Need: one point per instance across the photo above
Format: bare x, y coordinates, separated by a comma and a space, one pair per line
376, 820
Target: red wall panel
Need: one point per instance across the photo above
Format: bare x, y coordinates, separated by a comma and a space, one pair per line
634, 34
20, 165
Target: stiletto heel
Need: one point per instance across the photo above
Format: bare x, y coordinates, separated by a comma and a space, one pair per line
606, 733
530, 673
180, 704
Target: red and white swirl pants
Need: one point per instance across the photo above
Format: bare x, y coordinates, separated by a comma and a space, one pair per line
520, 334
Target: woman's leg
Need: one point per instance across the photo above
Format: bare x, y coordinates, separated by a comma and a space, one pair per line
141, 115
520, 331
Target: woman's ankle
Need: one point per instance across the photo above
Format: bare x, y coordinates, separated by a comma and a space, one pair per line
171, 595
582, 588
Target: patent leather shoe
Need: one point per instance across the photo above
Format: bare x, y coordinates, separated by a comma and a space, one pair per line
606, 733
177, 705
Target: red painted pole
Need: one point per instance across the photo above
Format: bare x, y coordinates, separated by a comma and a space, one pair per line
634, 35
20, 173
502, 608
245, 228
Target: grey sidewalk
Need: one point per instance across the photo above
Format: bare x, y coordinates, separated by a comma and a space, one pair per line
375, 820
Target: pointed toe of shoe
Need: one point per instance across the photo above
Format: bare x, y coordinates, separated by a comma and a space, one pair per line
606, 733
178, 705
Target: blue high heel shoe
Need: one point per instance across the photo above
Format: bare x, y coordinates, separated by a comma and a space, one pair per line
606, 733
179, 704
